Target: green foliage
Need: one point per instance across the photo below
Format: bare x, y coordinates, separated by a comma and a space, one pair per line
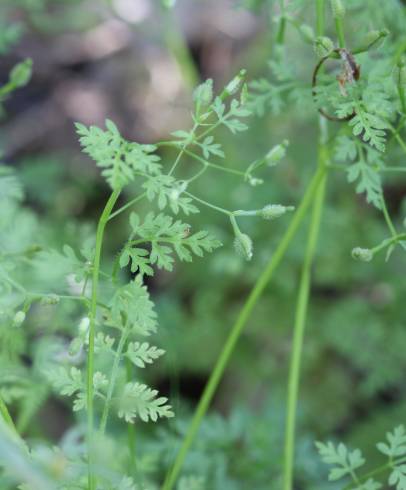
60, 303
348, 463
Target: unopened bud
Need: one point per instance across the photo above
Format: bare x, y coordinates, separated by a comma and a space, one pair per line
84, 325
50, 299
243, 246
19, 318
235, 84
20, 75
338, 8
178, 190
254, 181
307, 33
273, 211
375, 38
363, 254
75, 346
276, 153
323, 46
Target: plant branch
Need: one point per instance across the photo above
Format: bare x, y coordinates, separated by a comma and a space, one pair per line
92, 327
298, 336
238, 327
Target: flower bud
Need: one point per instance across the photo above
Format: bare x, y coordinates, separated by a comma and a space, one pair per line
235, 84
273, 211
375, 38
75, 346
50, 299
276, 153
307, 33
243, 246
84, 326
254, 181
20, 75
363, 254
323, 46
18, 319
203, 94
177, 190
338, 8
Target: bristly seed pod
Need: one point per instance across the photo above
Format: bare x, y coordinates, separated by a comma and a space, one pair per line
273, 211
307, 33
75, 346
235, 84
363, 254
18, 319
323, 46
338, 9
276, 153
243, 246
375, 38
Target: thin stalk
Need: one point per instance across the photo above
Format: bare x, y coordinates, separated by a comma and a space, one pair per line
214, 165
131, 427
402, 97
6, 416
387, 217
320, 4
113, 378
304, 293
177, 46
280, 33
238, 327
388, 242
298, 337
205, 203
126, 206
340, 32
92, 327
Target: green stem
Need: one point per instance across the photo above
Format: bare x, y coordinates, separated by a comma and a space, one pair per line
387, 217
128, 205
214, 165
130, 427
92, 327
6, 416
320, 8
388, 242
205, 203
340, 32
113, 378
298, 337
178, 48
238, 327
377, 471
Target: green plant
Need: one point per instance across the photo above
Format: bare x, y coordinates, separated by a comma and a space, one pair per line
95, 349
121, 314
348, 463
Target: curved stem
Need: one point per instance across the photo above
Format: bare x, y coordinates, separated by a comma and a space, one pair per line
92, 327
238, 327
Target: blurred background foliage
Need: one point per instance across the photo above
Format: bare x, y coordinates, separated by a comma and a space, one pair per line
135, 62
